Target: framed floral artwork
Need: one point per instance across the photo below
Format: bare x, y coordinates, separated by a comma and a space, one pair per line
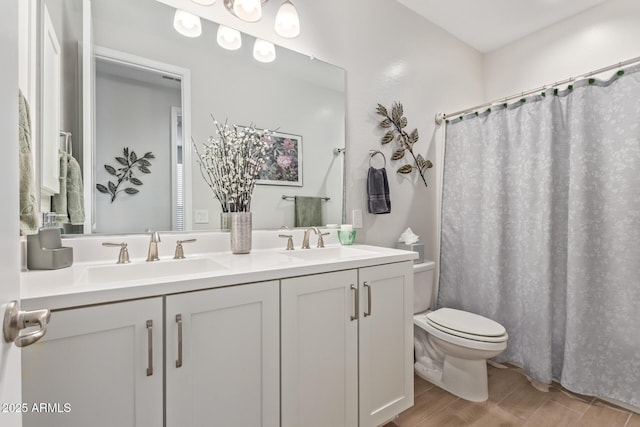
283, 163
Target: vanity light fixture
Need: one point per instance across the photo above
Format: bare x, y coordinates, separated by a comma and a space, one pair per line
204, 2
247, 10
187, 24
287, 21
229, 38
264, 51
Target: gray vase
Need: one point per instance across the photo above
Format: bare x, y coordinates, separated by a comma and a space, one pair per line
225, 221
240, 232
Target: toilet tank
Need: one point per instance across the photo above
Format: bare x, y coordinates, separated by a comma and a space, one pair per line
423, 286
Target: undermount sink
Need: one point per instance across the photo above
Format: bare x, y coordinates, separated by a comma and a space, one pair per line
328, 253
115, 273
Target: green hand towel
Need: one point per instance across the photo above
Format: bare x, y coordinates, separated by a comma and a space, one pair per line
28, 203
60, 200
308, 211
75, 192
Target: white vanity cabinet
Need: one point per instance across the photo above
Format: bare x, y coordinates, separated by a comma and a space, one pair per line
347, 346
222, 357
97, 366
314, 338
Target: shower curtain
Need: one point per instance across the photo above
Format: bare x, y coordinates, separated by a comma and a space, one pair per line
541, 231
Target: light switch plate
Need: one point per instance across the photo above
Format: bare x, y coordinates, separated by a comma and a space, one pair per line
356, 218
201, 216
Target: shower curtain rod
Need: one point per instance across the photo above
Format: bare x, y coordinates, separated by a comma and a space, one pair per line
440, 117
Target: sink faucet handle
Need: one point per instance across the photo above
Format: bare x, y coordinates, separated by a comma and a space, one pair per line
179, 249
321, 240
123, 257
289, 241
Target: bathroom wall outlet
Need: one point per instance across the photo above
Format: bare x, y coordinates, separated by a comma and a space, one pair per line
356, 218
201, 216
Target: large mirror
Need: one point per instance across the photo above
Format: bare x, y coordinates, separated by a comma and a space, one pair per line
153, 90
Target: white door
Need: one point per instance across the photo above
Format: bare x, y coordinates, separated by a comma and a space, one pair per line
386, 342
10, 383
97, 366
222, 365
319, 331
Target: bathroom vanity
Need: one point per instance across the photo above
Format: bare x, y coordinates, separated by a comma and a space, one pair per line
312, 337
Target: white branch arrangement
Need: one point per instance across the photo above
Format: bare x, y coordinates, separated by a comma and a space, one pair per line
230, 162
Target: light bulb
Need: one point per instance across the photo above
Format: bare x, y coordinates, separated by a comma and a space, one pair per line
287, 21
229, 38
264, 51
187, 24
248, 10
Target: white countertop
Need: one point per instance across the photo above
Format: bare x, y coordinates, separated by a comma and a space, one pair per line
91, 282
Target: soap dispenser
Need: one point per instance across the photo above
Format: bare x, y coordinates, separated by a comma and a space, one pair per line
45, 250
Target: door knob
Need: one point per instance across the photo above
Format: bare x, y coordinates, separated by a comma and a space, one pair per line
15, 320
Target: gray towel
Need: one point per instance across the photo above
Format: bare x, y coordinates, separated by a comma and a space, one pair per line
378, 191
28, 204
308, 211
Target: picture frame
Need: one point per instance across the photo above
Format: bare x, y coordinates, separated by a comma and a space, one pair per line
283, 162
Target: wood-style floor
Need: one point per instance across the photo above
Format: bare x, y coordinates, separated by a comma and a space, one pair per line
513, 401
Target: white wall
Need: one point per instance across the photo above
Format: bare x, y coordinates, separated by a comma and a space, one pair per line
134, 114
389, 54
601, 36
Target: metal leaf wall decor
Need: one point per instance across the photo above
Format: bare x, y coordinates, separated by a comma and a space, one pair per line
396, 124
128, 163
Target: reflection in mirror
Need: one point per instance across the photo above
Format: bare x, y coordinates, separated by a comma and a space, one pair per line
294, 95
138, 144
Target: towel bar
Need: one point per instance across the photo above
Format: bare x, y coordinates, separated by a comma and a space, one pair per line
326, 199
67, 147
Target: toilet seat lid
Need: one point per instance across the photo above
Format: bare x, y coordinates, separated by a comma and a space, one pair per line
466, 323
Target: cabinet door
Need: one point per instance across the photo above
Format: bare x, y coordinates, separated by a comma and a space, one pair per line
222, 364
91, 368
385, 342
319, 350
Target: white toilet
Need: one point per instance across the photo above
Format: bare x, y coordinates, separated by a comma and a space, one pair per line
452, 346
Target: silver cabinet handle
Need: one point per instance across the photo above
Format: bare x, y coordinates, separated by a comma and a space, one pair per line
356, 299
150, 346
368, 288
15, 320
179, 321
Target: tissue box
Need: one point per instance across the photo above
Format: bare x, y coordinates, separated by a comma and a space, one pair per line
415, 247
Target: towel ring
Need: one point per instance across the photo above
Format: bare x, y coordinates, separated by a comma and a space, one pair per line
372, 154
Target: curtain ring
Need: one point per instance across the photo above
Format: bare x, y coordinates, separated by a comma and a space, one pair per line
372, 153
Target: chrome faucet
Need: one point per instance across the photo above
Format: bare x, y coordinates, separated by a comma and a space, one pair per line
305, 240
152, 255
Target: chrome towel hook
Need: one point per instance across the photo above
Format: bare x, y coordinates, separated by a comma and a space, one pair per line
373, 153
